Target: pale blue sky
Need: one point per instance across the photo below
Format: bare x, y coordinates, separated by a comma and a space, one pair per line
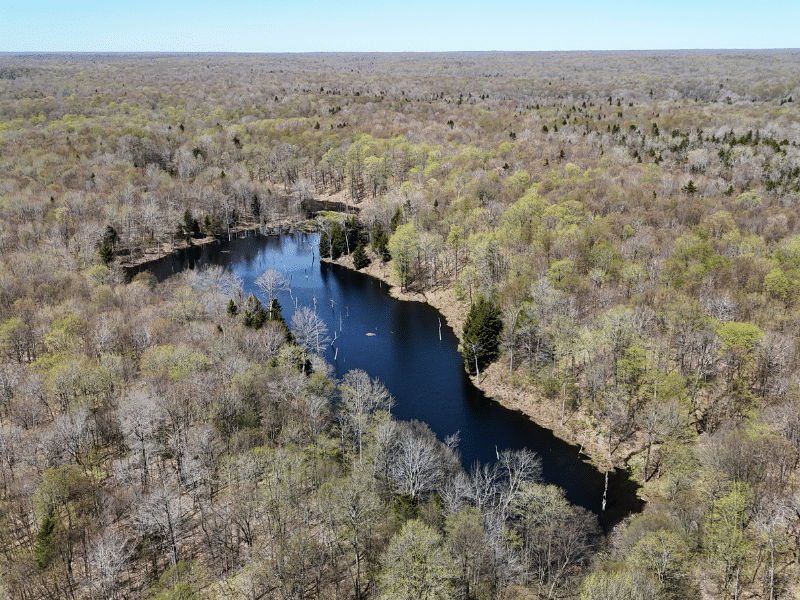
412, 25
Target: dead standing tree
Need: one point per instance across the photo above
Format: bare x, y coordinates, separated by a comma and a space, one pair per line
271, 282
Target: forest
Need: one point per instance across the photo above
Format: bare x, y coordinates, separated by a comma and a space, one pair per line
614, 236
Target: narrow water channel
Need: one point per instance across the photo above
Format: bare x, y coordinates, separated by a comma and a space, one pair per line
423, 373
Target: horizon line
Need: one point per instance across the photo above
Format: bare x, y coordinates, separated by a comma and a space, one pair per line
305, 52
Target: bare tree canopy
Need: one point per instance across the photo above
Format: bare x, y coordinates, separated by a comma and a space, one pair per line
309, 330
632, 220
271, 282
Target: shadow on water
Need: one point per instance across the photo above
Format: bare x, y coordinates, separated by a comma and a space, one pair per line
423, 373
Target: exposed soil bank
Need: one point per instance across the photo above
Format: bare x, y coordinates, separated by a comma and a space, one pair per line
515, 421
512, 390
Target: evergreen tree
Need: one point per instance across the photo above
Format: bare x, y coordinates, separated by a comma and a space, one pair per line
190, 227
360, 258
275, 314
324, 246
338, 242
380, 242
211, 226
233, 310
254, 314
43, 549
106, 252
355, 233
405, 509
397, 219
110, 235
481, 339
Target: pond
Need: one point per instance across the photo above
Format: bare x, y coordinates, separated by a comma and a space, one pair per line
424, 373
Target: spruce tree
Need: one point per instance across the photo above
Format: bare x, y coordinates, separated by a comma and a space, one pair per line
360, 258
380, 243
43, 550
481, 339
338, 242
254, 314
324, 246
276, 314
106, 252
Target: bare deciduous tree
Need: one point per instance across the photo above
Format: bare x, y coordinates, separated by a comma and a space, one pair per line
73, 434
271, 282
360, 398
162, 514
351, 509
557, 538
108, 556
416, 462
309, 330
517, 468
141, 417
10, 441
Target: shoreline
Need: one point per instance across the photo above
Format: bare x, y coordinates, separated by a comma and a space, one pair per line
275, 227
513, 391
125, 262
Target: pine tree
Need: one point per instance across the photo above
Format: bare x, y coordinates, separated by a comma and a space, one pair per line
397, 219
380, 243
338, 242
276, 315
324, 246
210, 225
254, 315
360, 258
355, 233
481, 339
43, 550
106, 253
110, 235
191, 228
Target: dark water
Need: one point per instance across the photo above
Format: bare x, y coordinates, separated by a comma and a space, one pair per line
425, 375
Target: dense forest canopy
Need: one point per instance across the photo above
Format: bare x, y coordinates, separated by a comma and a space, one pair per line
626, 223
